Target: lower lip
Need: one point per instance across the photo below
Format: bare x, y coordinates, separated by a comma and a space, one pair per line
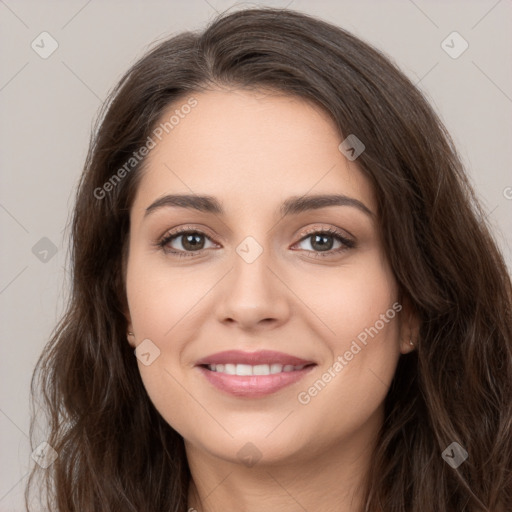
253, 385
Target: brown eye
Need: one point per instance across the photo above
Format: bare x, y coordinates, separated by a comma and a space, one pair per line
184, 242
321, 242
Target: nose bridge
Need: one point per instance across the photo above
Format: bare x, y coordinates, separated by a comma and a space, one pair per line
251, 262
252, 292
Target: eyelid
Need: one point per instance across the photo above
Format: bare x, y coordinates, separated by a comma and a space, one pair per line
329, 229
185, 229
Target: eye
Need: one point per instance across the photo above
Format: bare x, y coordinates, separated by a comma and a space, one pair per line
191, 241
322, 242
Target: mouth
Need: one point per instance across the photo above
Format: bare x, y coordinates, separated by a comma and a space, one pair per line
253, 374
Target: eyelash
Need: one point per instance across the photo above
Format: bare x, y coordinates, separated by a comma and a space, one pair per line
347, 244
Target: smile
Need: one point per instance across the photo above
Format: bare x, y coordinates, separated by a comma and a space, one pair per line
253, 374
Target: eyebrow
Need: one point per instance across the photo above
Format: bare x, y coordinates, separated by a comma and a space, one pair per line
292, 206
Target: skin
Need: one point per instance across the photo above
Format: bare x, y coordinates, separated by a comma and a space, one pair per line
252, 150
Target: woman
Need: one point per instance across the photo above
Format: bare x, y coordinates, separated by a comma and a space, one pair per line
285, 294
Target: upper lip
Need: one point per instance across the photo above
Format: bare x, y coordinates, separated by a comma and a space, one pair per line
252, 358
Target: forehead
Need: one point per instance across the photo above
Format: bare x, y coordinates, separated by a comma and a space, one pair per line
252, 148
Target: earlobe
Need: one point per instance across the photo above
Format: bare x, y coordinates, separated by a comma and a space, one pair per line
131, 338
408, 346
410, 326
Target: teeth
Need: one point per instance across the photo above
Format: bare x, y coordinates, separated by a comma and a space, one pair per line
276, 368
258, 369
230, 369
262, 369
243, 369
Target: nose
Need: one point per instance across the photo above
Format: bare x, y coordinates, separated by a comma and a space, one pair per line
254, 295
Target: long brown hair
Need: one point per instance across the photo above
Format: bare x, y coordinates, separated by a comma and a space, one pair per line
115, 451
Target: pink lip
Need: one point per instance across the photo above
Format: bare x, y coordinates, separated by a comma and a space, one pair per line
253, 386
252, 358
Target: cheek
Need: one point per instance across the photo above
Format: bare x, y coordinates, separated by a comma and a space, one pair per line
159, 297
161, 305
350, 299
360, 308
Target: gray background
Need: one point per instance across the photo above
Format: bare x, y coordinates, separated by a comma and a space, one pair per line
48, 106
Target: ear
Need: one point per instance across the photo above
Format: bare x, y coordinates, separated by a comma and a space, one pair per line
409, 326
126, 310
130, 336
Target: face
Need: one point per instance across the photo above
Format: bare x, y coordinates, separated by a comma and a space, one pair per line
267, 320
